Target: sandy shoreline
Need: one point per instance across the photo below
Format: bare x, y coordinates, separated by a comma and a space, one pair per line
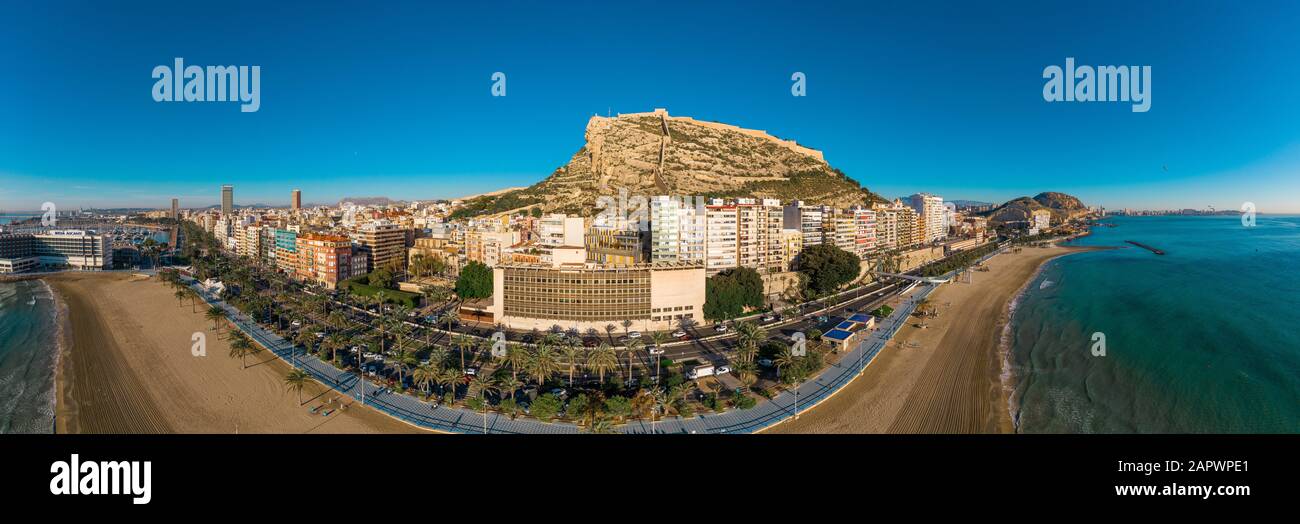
126, 367
946, 378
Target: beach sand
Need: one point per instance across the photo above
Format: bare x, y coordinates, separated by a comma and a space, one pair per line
127, 367
942, 379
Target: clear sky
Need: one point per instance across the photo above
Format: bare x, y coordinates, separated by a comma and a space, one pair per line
385, 98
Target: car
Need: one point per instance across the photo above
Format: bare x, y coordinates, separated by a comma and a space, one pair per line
722, 370
296, 323
470, 372
679, 334
634, 334
655, 350
560, 393
720, 328
766, 362
320, 334
768, 318
413, 314
821, 319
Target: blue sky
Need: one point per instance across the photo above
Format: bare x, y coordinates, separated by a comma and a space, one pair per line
380, 98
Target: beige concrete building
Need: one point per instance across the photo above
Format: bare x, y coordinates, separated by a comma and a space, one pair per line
653, 297
383, 243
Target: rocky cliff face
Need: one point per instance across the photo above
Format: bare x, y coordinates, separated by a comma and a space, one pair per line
654, 153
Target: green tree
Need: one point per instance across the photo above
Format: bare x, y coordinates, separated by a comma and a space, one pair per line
828, 267
729, 293
475, 281
545, 407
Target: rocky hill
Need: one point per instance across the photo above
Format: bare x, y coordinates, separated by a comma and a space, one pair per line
654, 153
1062, 206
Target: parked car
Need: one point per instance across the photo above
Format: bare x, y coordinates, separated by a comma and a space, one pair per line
679, 334
470, 372
634, 334
296, 323
765, 362
768, 318
722, 370
560, 393
655, 350
720, 328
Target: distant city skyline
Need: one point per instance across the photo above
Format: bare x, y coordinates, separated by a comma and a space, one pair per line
941, 99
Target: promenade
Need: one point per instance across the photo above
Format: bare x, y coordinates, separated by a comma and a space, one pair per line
462, 420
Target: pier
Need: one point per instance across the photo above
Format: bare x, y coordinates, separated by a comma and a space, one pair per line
1144, 246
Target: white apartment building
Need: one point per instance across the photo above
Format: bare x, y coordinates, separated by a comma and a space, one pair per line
865, 221
722, 247
806, 219
759, 224
560, 230
929, 211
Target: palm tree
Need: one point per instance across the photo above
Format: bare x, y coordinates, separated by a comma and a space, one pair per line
216, 315
543, 363
241, 348
296, 380
305, 339
609, 332
333, 344
633, 346
194, 299
627, 325
462, 342
572, 356
448, 380
509, 383
785, 359
424, 376
603, 359
180, 297
517, 358
404, 360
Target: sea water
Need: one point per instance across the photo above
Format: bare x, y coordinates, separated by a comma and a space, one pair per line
1202, 339
28, 357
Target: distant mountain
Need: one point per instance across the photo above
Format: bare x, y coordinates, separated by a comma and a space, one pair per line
1062, 206
649, 154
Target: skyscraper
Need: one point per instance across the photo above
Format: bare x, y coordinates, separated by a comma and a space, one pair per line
297, 199
175, 205
929, 211
227, 200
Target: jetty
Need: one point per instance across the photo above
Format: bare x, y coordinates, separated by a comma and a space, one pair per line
1144, 246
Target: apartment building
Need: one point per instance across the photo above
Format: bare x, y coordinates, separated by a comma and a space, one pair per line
864, 220
722, 246
791, 245
286, 250
58, 249
324, 259
805, 218
560, 230
930, 215
383, 243
759, 224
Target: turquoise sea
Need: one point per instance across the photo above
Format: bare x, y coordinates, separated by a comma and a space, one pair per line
28, 356
1204, 339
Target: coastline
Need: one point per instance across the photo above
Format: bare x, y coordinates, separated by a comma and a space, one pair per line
126, 366
1007, 375
943, 378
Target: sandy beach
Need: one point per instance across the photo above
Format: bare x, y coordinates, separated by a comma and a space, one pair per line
127, 367
944, 378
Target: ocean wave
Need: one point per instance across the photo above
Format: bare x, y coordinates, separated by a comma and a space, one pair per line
1007, 376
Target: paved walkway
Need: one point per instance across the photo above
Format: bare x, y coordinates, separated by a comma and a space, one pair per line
461, 420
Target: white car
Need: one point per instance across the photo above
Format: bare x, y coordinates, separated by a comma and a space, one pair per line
768, 318
634, 334
320, 334
679, 333
471, 372
720, 328
296, 323
722, 370
655, 350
